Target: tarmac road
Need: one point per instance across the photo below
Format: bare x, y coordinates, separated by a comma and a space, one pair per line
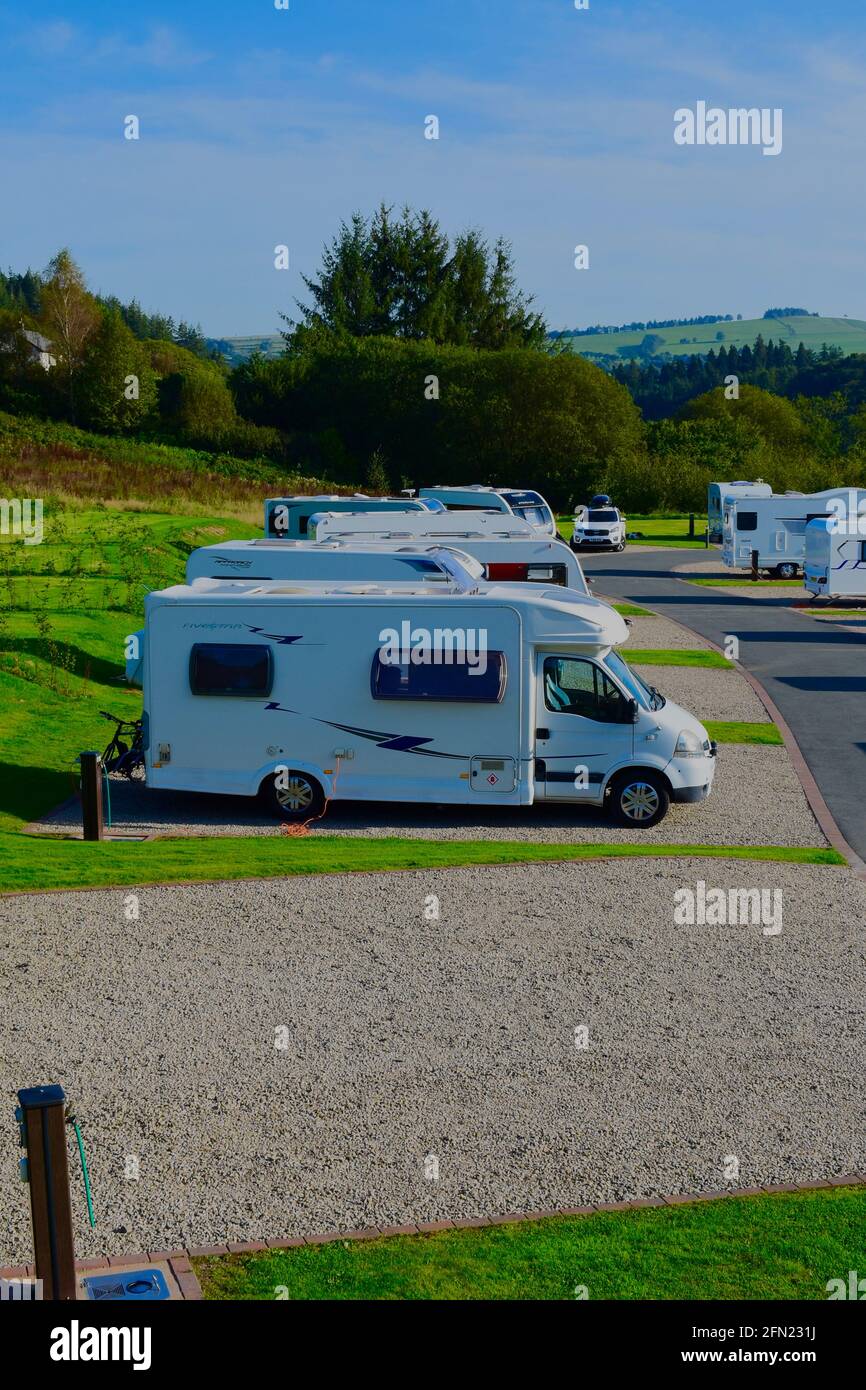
816, 673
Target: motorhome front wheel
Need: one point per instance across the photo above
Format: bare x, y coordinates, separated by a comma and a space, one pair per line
292, 795
787, 571
640, 800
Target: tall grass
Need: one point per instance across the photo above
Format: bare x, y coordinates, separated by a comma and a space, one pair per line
39, 458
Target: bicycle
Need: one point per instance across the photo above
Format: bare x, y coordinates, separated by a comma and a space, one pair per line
120, 756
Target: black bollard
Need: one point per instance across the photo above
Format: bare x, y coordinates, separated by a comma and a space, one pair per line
91, 796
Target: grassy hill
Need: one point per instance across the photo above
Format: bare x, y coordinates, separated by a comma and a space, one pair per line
847, 334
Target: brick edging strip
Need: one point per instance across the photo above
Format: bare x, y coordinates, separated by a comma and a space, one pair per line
180, 1261
812, 792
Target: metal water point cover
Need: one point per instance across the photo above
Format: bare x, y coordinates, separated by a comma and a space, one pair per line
128, 1284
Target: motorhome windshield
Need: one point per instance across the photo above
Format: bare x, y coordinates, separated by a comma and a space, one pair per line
646, 695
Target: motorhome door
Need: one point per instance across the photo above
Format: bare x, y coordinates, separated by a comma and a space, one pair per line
583, 727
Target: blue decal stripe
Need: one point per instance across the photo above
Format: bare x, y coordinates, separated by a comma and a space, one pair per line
397, 743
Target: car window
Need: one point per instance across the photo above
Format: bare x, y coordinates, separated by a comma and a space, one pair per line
575, 686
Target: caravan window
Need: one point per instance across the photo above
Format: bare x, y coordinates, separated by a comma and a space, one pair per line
242, 669
747, 521
480, 683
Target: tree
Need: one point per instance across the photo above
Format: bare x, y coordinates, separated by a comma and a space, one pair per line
197, 402
777, 420
69, 315
116, 385
398, 277
377, 483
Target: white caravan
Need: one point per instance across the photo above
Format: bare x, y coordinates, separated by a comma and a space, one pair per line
716, 494
516, 559
538, 558
524, 503
288, 518
263, 560
407, 526
776, 527
491, 694
835, 560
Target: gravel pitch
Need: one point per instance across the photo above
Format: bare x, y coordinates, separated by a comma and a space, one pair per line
661, 634
756, 800
405, 1036
778, 592
709, 694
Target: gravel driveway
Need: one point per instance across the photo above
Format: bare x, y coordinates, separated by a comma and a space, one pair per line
406, 1036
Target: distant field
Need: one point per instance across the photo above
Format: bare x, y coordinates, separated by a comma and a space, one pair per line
847, 334
268, 344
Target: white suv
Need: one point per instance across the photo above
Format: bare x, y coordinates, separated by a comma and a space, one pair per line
602, 528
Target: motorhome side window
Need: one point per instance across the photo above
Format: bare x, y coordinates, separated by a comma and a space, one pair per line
575, 686
481, 681
747, 521
216, 668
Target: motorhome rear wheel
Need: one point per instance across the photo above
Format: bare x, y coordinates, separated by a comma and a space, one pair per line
788, 571
639, 800
292, 796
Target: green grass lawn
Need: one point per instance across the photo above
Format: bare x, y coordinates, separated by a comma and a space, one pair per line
49, 863
698, 657
752, 583
785, 1246
657, 530
839, 613
66, 607
737, 731
631, 610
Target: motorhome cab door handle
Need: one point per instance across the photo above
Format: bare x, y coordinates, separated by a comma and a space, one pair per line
542, 733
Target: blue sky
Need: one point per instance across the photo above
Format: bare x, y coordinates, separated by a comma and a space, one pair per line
261, 127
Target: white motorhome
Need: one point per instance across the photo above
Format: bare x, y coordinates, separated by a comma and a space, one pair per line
288, 518
518, 559
835, 560
716, 494
776, 527
489, 694
524, 503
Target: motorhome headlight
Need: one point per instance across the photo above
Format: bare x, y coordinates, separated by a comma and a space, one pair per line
689, 745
